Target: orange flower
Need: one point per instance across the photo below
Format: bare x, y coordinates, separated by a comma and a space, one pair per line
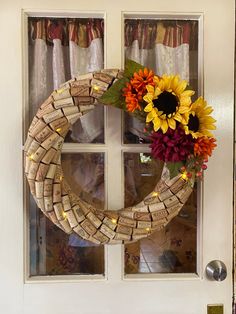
204, 147
132, 98
136, 88
141, 79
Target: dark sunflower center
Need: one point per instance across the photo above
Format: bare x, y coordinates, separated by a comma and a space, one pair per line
166, 102
193, 123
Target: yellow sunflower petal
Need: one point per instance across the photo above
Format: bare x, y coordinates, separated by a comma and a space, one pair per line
149, 107
172, 124
148, 97
164, 126
178, 117
157, 123
151, 115
181, 87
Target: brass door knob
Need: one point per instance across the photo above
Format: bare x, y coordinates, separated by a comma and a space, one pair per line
216, 270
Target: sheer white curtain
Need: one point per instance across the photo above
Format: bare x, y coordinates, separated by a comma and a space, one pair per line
163, 46
60, 49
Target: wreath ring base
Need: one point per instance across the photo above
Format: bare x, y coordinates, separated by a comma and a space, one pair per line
53, 195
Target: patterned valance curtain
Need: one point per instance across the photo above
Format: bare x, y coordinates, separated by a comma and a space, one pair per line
161, 45
60, 49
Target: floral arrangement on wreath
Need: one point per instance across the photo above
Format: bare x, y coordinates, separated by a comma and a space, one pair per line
179, 129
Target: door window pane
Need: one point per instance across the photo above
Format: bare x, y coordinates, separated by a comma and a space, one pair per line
166, 47
172, 249
52, 252
61, 49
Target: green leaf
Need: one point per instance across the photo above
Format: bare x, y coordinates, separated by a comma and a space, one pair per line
131, 67
174, 168
114, 95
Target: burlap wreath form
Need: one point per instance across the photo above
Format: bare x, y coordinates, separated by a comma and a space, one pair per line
54, 196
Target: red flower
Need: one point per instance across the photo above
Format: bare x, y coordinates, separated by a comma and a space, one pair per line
172, 146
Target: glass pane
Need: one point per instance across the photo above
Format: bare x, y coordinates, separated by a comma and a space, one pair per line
171, 250
166, 47
52, 252
61, 49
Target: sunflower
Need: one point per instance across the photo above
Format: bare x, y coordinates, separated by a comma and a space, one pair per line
168, 102
199, 121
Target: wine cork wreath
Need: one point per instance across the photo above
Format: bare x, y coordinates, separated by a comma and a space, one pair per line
54, 196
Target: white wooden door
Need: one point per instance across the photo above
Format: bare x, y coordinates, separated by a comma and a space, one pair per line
116, 293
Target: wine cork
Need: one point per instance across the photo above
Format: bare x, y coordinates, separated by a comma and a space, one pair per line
66, 202
63, 130
142, 216
61, 93
37, 128
84, 108
160, 214
124, 229
65, 102
58, 143
51, 171
27, 164
48, 143
81, 90
58, 208
88, 227
107, 231
41, 172
101, 237
73, 117
121, 236
127, 222
81, 232
70, 110
49, 117
56, 193
58, 123
57, 158
171, 201
48, 184
165, 195
48, 204
98, 85
39, 189
38, 155
33, 170
49, 156
78, 213
43, 134
105, 77
156, 206
34, 121
110, 223
28, 142
71, 218
47, 109
58, 175
94, 220
33, 147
